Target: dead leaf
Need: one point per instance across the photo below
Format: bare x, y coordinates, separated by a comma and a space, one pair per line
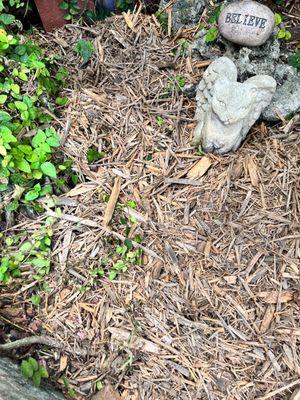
276, 297
207, 248
64, 293
296, 395
107, 393
230, 279
200, 168
81, 189
63, 363
87, 307
110, 208
266, 322
252, 169
237, 171
99, 98
128, 21
122, 335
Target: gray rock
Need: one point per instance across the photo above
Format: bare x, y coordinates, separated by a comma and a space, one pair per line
286, 100
226, 109
247, 23
14, 387
185, 12
270, 61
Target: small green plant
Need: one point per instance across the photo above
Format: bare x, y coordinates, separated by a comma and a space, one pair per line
93, 155
200, 151
85, 49
283, 33
125, 5
33, 251
123, 254
214, 17
71, 9
184, 45
213, 31
31, 369
160, 121
35, 300
180, 81
294, 60
70, 391
211, 34
99, 385
162, 19
128, 256
278, 19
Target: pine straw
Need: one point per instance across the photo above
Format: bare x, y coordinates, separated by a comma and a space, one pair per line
214, 313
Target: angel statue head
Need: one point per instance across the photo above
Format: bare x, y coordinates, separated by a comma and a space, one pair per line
226, 109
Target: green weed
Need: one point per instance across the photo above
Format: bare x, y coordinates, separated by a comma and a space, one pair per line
85, 49
31, 369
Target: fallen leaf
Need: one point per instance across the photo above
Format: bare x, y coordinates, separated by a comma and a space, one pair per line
207, 248
99, 98
230, 279
63, 363
296, 395
138, 343
81, 189
274, 297
64, 293
107, 393
266, 322
199, 168
252, 169
128, 21
110, 208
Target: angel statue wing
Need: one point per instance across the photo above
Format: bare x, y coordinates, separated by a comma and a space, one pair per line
223, 67
263, 88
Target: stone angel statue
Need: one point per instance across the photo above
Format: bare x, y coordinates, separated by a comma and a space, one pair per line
226, 109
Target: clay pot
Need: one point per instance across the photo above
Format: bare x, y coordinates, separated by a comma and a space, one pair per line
52, 16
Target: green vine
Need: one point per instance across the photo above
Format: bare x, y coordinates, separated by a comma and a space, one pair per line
71, 8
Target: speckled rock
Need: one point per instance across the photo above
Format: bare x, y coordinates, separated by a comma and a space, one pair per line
14, 387
269, 60
185, 12
246, 23
286, 100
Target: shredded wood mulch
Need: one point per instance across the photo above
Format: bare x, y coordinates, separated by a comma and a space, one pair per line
213, 310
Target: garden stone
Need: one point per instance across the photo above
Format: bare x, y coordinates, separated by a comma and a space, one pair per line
185, 12
13, 386
246, 23
286, 100
226, 109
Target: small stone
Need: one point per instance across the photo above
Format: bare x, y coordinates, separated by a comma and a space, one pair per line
246, 23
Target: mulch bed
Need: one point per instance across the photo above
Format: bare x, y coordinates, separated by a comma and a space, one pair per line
213, 311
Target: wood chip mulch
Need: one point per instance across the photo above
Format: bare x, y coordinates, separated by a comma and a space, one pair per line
213, 311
